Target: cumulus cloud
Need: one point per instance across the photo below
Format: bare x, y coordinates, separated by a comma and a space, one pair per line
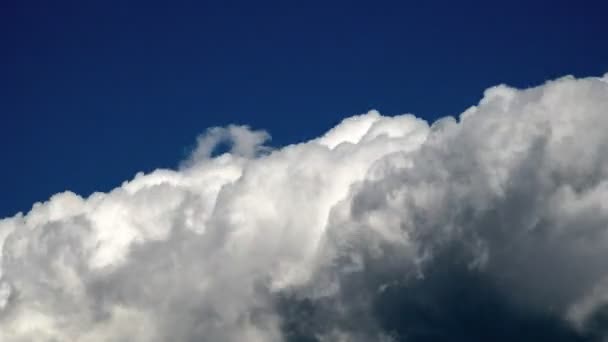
489, 227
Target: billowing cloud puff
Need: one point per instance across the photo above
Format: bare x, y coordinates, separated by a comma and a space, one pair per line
492, 227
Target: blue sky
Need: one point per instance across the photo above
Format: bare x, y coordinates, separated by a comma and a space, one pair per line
93, 93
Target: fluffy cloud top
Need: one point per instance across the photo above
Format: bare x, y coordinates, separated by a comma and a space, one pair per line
492, 227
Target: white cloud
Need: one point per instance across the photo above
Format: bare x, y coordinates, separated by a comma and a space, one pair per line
516, 190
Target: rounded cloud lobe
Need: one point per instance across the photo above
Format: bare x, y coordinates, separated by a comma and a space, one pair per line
492, 227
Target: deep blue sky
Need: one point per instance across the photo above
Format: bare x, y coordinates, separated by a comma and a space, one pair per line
94, 91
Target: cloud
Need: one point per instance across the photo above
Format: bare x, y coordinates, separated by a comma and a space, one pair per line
490, 227
241, 141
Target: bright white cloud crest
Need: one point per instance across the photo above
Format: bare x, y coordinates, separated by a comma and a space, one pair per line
519, 184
